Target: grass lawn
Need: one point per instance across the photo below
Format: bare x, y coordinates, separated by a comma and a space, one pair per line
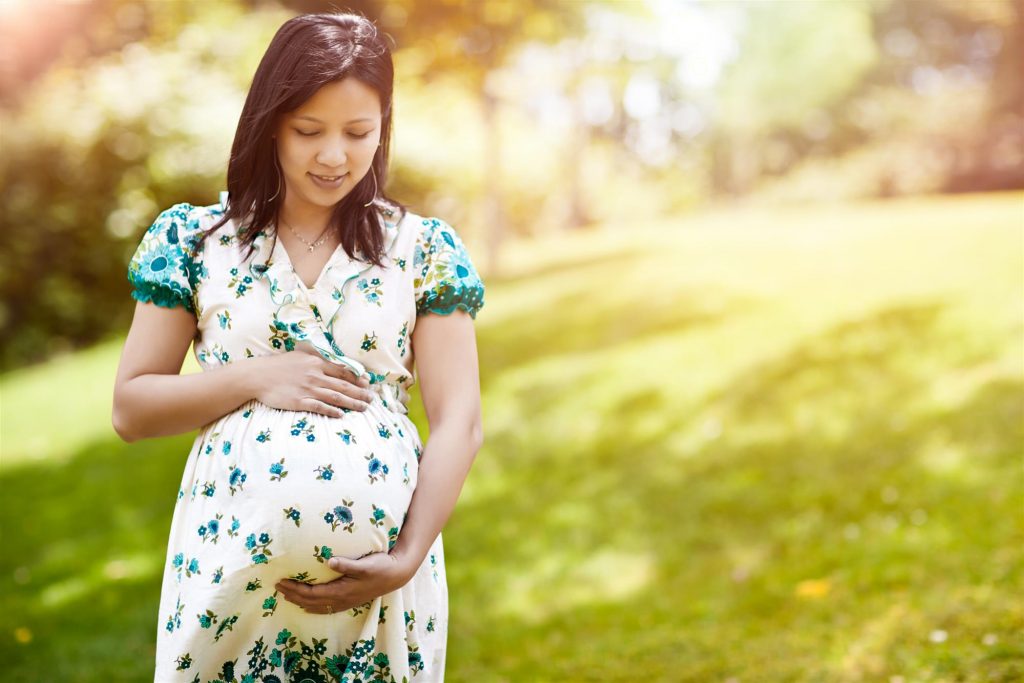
750, 445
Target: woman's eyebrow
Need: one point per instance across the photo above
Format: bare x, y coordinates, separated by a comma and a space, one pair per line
316, 120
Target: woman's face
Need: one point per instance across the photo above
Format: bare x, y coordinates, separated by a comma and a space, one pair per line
334, 133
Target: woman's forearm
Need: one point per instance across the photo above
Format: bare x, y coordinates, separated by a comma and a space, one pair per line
154, 405
444, 466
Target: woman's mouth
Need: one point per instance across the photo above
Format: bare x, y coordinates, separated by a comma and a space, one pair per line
329, 182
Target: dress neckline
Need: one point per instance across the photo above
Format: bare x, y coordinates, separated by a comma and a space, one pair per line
283, 254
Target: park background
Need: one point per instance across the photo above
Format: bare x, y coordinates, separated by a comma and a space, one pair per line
752, 356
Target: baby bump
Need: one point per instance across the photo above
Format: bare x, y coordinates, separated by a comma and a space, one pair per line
309, 488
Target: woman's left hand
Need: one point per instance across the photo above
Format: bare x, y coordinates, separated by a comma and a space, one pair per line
362, 581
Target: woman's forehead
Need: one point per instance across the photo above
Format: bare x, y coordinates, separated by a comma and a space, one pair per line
346, 101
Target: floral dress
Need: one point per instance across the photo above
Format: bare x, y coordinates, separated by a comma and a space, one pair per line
269, 493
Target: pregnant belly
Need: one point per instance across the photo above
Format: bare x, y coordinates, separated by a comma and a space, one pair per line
294, 489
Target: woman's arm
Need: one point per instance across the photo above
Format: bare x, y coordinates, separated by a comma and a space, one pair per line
151, 398
446, 362
447, 366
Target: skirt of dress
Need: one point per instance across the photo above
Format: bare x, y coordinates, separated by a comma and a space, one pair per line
269, 494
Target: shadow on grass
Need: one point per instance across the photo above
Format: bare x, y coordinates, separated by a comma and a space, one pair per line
831, 518
84, 552
814, 520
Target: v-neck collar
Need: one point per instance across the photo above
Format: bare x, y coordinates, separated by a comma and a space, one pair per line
279, 251
306, 313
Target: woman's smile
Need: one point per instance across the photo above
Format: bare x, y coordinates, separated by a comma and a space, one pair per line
328, 182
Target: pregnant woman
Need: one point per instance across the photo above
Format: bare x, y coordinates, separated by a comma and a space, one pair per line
305, 543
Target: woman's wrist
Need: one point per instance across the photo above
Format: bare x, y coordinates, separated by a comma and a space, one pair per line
407, 561
247, 377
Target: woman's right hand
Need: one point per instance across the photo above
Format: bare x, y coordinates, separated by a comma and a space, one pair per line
303, 380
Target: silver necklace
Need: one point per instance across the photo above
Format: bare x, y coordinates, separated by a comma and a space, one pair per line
312, 245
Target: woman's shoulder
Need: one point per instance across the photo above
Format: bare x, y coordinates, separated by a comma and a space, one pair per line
424, 228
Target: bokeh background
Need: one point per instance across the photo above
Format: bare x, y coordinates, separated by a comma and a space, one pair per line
752, 354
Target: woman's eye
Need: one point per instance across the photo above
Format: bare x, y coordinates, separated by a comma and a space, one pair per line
356, 135
300, 132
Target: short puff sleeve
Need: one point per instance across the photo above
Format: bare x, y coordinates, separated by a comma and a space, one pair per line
445, 278
159, 271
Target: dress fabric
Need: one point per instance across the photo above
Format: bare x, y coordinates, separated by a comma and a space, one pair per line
269, 494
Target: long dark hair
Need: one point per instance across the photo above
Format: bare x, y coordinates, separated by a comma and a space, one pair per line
308, 52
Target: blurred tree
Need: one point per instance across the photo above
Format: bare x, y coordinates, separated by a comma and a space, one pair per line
797, 59
822, 79
474, 39
93, 151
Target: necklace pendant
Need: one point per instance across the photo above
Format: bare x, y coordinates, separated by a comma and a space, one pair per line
311, 248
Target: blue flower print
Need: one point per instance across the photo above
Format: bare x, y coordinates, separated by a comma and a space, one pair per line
371, 290
294, 515
211, 530
218, 574
369, 342
263, 436
259, 551
322, 553
303, 427
236, 478
270, 605
209, 488
341, 516
239, 284
346, 437
402, 338
174, 620
282, 335
377, 519
377, 469
226, 448
225, 320
384, 432
206, 620
192, 568
325, 472
277, 471
415, 660
235, 525
226, 625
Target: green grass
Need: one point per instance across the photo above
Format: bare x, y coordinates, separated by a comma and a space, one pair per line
757, 444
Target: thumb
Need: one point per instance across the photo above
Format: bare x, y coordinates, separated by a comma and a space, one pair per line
342, 565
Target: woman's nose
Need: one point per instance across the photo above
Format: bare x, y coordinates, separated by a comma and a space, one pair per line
333, 154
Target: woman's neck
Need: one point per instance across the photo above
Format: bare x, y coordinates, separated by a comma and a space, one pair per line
310, 222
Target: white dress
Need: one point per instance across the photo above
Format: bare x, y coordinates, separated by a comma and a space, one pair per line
268, 494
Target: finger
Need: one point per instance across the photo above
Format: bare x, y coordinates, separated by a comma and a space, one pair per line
339, 399
301, 594
349, 389
346, 567
313, 405
342, 371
